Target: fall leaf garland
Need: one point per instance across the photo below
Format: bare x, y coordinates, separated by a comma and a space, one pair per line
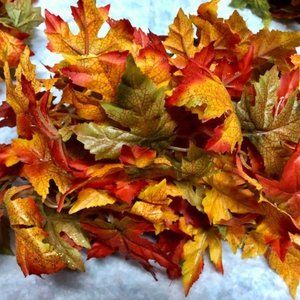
159, 149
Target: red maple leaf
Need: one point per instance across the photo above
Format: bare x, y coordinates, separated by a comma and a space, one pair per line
126, 236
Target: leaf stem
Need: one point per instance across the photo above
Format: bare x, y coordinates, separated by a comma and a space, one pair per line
178, 149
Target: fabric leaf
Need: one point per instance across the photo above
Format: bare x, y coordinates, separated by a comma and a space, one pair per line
89, 197
103, 140
140, 107
23, 15
58, 224
265, 130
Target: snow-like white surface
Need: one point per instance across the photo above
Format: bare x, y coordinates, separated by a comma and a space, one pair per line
113, 278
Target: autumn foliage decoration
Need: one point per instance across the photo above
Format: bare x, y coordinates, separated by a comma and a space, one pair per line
159, 149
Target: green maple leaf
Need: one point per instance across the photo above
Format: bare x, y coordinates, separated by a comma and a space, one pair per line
58, 224
259, 7
103, 140
197, 164
22, 15
140, 107
265, 130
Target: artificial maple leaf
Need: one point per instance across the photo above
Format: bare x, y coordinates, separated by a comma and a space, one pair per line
202, 93
259, 7
288, 269
238, 25
234, 235
153, 205
7, 115
197, 164
22, 15
155, 64
38, 165
103, 140
125, 236
12, 45
193, 252
89, 197
286, 192
22, 97
193, 194
227, 195
87, 107
180, 40
101, 74
92, 62
275, 228
56, 226
124, 189
137, 156
266, 128
211, 29
140, 107
33, 255
89, 20
235, 73
254, 245
275, 45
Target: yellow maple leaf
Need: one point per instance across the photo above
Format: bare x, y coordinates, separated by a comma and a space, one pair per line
90, 197
289, 269
180, 39
234, 236
89, 19
227, 195
193, 252
154, 206
254, 245
275, 45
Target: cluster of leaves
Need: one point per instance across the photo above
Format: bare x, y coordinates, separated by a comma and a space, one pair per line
266, 9
18, 18
159, 149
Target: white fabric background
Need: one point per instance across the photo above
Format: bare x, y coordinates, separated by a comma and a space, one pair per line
113, 278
